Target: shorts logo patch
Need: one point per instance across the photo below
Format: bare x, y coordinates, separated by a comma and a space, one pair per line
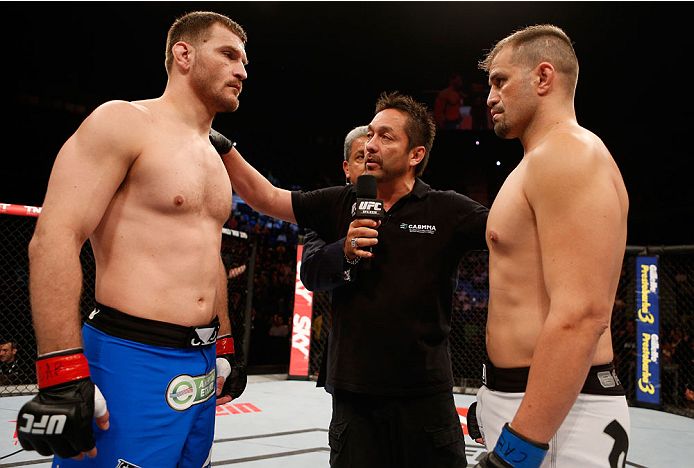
124, 464
185, 390
608, 379
204, 336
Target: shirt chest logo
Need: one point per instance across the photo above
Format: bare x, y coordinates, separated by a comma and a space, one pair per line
419, 228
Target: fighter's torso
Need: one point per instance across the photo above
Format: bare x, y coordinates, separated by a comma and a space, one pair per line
518, 301
157, 245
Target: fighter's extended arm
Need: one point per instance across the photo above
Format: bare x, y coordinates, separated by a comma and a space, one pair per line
581, 232
87, 172
250, 184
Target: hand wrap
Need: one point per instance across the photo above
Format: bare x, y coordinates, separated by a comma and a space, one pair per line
59, 419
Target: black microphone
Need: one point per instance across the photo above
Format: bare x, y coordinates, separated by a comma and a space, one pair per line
368, 206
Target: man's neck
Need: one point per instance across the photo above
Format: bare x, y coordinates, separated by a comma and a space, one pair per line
186, 107
545, 122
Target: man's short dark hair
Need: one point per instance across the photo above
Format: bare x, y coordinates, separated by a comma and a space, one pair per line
539, 43
13, 343
194, 27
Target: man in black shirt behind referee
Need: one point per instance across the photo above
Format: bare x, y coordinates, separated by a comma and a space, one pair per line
389, 367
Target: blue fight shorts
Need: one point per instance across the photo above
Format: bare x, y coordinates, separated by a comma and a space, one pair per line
159, 386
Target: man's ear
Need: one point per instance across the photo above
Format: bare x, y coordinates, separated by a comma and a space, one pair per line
545, 75
417, 155
183, 55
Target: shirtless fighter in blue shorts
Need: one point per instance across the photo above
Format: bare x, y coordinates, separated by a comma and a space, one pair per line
142, 182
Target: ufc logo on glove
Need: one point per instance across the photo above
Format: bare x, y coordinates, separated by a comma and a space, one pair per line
48, 424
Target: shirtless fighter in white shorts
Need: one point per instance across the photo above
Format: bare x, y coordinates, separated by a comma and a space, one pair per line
556, 235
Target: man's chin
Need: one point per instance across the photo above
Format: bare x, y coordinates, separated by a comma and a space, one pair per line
231, 107
227, 105
502, 131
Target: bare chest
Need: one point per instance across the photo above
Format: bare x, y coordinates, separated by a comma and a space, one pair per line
183, 176
511, 223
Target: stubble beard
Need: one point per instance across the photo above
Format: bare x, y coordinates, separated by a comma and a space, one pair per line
215, 98
501, 129
220, 101
388, 174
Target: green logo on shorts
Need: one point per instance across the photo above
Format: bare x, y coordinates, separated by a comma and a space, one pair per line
185, 390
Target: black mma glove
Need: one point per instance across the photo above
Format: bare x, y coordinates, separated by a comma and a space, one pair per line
221, 143
230, 368
473, 429
59, 419
513, 450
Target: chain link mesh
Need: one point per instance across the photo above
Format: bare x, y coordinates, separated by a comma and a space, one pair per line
15, 318
469, 313
15, 321
240, 252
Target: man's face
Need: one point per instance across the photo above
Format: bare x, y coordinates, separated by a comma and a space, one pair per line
510, 95
355, 166
6, 352
219, 68
386, 147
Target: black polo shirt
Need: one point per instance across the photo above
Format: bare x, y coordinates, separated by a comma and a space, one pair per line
390, 325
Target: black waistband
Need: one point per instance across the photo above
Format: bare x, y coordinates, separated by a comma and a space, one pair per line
602, 379
151, 332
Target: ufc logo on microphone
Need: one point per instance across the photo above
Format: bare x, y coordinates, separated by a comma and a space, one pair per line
49, 424
370, 206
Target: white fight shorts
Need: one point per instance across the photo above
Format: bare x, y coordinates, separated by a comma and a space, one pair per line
594, 434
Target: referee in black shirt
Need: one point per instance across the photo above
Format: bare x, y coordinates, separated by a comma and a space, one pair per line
388, 367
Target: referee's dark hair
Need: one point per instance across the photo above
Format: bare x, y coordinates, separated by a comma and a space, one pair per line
420, 127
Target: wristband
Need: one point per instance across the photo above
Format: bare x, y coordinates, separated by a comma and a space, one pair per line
225, 345
519, 451
55, 369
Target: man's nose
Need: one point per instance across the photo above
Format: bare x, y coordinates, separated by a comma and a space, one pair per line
493, 98
370, 146
240, 72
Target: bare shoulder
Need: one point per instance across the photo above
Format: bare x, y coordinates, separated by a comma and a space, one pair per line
116, 124
122, 110
567, 153
93, 163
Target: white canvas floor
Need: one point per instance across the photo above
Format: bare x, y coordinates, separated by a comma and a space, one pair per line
280, 423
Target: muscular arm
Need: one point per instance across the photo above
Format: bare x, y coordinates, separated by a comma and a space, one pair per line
86, 174
580, 224
256, 190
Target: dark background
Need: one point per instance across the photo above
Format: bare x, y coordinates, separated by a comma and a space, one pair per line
317, 68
